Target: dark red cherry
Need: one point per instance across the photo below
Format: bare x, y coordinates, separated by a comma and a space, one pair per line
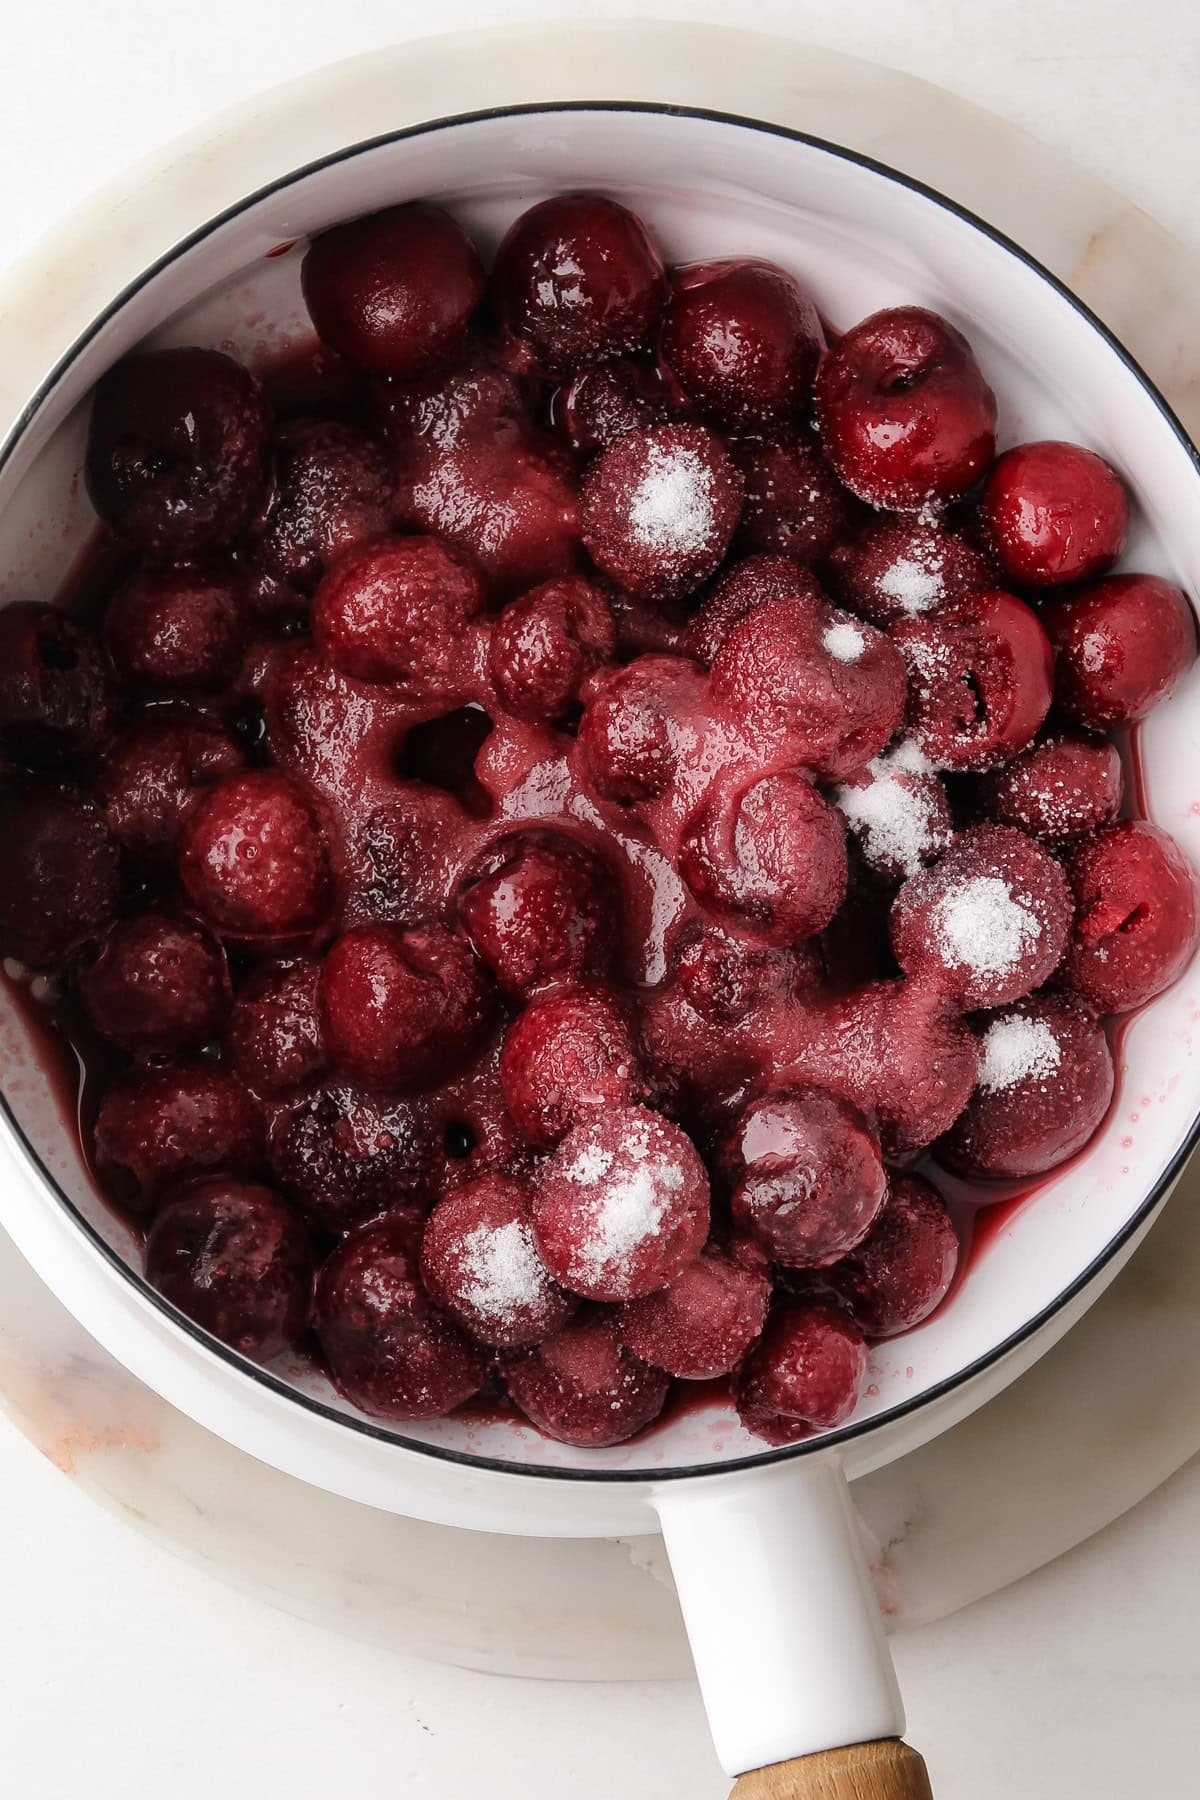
742, 338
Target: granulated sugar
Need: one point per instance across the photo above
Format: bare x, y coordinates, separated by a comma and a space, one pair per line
632, 1194
845, 642
503, 1275
895, 817
671, 508
981, 926
1017, 1049
914, 586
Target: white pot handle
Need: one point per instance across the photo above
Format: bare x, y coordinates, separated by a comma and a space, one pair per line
786, 1633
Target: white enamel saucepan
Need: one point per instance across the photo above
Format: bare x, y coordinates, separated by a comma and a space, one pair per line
774, 1587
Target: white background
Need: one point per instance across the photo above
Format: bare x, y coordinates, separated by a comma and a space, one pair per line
121, 1670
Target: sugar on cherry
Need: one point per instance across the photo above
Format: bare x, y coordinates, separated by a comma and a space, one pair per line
160, 1126
569, 1053
1123, 644
156, 983
794, 505
905, 415
804, 1374
767, 855
622, 1206
904, 1267
802, 677
62, 876
342, 1153
275, 1036
1045, 1082
480, 1262
151, 778
394, 609
175, 630
56, 699
807, 1175
1062, 788
583, 1386
389, 1349
577, 280
401, 1006
254, 860
742, 338
989, 921
904, 568
394, 292
1054, 513
704, 1324
659, 507
544, 645
233, 1257
538, 905
332, 488
980, 682
1137, 919
177, 451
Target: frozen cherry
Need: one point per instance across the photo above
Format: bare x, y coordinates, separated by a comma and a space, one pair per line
570, 1052
1136, 918
275, 1036
480, 1262
725, 978
901, 1051
906, 568
897, 811
1123, 644
539, 906
395, 609
236, 1260
659, 508
800, 674
577, 280
637, 726
546, 643
608, 399
62, 876
153, 777
989, 920
343, 1154
906, 417
1059, 790
55, 691
794, 505
743, 587
904, 1266
742, 338
393, 292
809, 1177
703, 1324
1045, 1081
804, 1373
980, 680
158, 1127
176, 453
174, 628
769, 857
389, 1349
622, 1205
582, 1386
332, 489
1054, 513
254, 860
402, 1006
156, 983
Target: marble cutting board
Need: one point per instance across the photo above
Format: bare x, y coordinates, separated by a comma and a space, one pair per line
1103, 1419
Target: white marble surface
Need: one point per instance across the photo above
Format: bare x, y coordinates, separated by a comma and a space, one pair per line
155, 1664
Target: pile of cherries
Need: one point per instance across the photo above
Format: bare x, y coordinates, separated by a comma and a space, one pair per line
553, 826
